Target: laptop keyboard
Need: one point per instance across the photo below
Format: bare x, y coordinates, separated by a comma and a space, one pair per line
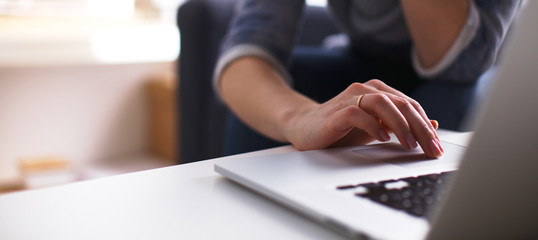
413, 195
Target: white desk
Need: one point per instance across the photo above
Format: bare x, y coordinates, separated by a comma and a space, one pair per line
181, 202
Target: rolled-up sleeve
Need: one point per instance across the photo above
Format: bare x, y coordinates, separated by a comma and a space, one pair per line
475, 50
261, 28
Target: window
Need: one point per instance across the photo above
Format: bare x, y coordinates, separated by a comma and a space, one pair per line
36, 32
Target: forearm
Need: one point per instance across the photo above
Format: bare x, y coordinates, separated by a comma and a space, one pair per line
261, 97
434, 26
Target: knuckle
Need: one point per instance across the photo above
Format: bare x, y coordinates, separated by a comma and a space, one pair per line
401, 102
414, 103
424, 130
356, 86
375, 83
379, 98
349, 111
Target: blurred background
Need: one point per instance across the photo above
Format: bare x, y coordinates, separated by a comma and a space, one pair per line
87, 89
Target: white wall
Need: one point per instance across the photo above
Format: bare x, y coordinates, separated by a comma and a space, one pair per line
83, 113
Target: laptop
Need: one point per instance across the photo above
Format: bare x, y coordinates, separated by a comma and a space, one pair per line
487, 190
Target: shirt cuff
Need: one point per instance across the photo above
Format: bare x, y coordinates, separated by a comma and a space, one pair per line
467, 33
246, 50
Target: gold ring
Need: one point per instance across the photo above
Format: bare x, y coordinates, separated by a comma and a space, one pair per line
359, 100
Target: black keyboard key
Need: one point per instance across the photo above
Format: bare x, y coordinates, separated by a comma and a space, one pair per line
413, 195
407, 193
372, 189
418, 210
407, 204
346, 187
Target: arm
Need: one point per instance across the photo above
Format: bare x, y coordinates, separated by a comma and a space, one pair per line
434, 26
252, 81
460, 40
261, 98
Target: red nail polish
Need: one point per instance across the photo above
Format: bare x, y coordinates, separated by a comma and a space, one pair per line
435, 149
439, 145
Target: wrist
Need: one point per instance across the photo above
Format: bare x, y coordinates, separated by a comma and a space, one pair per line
294, 120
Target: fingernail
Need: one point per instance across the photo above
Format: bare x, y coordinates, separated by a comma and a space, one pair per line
436, 149
384, 135
411, 141
435, 124
439, 144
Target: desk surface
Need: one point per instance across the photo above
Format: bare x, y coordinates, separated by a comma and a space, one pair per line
188, 201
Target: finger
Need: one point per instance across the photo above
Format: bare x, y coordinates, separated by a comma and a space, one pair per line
354, 116
382, 107
423, 133
419, 127
415, 123
435, 124
355, 137
381, 86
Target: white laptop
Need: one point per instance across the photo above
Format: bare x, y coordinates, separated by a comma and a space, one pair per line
382, 191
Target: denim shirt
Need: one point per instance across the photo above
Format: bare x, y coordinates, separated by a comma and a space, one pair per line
267, 29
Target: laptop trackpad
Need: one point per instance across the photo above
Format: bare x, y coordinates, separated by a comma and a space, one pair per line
393, 153
396, 154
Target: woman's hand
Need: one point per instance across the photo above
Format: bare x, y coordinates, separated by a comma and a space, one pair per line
344, 121
263, 100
